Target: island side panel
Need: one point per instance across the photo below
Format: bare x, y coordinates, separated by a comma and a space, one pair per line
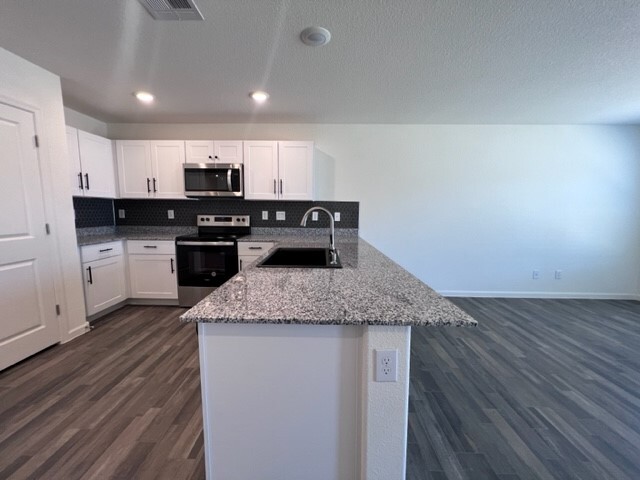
385, 406
281, 401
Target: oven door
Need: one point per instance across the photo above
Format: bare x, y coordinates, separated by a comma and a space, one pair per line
205, 264
213, 180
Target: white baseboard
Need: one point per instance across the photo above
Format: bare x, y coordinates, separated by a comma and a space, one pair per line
76, 332
503, 294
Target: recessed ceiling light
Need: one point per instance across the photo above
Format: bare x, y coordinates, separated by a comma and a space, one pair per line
315, 36
259, 97
144, 97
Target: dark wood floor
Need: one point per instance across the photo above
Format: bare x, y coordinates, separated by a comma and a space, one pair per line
541, 389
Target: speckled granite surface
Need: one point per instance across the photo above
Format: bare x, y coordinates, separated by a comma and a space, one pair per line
92, 236
370, 290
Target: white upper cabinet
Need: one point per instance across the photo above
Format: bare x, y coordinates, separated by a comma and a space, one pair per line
295, 169
228, 151
223, 151
261, 170
150, 169
167, 158
199, 151
278, 170
91, 158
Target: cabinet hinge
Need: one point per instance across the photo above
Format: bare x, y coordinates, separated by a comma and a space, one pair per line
57, 309
37, 142
47, 228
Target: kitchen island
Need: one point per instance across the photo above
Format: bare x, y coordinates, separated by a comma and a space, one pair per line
287, 359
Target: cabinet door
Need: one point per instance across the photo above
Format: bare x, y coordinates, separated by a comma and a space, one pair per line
134, 168
96, 157
153, 276
75, 169
199, 151
261, 170
295, 168
228, 151
244, 261
104, 283
167, 158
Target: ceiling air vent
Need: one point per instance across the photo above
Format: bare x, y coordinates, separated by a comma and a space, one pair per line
172, 9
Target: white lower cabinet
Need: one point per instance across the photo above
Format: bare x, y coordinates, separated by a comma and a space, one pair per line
104, 276
152, 269
248, 252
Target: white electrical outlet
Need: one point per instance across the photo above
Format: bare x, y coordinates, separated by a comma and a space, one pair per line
280, 216
314, 216
386, 365
170, 214
265, 214
336, 216
535, 274
558, 274
121, 213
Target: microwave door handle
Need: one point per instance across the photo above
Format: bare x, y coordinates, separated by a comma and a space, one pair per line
229, 180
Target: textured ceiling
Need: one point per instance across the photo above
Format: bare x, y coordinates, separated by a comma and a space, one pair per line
393, 61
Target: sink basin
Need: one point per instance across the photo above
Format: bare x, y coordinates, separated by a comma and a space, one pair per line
299, 258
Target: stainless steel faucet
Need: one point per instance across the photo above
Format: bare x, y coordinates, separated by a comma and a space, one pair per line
332, 245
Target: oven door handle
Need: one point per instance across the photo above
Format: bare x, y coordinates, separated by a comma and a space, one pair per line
206, 244
229, 187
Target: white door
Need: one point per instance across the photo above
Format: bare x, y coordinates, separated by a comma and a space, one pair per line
167, 158
153, 276
261, 170
295, 167
28, 321
96, 156
199, 151
77, 182
134, 168
228, 151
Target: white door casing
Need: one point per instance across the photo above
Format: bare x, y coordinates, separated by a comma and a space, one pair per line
28, 321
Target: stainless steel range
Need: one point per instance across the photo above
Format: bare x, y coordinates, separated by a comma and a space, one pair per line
208, 259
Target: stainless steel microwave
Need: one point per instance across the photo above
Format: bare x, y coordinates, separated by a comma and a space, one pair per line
213, 180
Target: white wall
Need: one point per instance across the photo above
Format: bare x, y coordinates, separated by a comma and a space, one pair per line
29, 84
472, 210
84, 122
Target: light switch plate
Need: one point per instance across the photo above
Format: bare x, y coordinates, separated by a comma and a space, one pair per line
170, 214
121, 213
336, 216
265, 215
314, 216
281, 216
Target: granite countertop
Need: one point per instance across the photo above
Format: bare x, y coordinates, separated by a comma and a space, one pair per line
370, 289
92, 236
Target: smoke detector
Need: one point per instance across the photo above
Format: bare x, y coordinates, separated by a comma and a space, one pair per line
172, 9
315, 36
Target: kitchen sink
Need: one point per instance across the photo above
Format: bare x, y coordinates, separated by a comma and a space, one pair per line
289, 257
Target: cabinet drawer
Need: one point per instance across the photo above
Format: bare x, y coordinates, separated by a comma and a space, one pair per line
90, 253
151, 247
254, 248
